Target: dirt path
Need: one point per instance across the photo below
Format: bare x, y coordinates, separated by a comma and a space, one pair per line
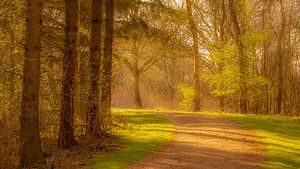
202, 142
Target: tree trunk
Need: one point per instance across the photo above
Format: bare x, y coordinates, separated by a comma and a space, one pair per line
197, 92
136, 88
66, 132
221, 103
84, 68
12, 78
280, 55
265, 67
30, 142
106, 76
95, 62
221, 99
242, 57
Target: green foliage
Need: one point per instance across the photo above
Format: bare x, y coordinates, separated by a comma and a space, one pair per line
255, 39
187, 93
225, 80
255, 85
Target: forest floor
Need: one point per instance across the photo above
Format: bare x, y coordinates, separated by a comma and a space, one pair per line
202, 142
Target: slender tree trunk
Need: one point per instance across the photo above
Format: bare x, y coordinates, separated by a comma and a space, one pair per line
265, 70
30, 142
242, 58
84, 69
280, 55
66, 132
197, 92
170, 86
136, 88
221, 104
95, 62
106, 76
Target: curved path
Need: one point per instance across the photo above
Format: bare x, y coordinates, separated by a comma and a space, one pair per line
202, 142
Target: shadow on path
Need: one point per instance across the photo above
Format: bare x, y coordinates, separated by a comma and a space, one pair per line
202, 142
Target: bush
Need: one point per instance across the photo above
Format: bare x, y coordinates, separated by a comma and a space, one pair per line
187, 96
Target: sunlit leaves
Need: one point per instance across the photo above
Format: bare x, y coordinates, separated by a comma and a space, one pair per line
187, 93
226, 79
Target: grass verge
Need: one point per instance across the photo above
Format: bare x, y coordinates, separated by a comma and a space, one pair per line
144, 134
280, 134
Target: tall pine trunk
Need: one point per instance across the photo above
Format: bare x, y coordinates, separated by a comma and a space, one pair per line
106, 76
193, 28
66, 132
95, 62
30, 142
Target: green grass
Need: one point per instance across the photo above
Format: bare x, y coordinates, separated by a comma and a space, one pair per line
280, 134
145, 133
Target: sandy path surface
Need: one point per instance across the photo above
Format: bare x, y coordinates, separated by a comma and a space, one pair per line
202, 142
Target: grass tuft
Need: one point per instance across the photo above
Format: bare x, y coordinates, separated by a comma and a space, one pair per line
144, 134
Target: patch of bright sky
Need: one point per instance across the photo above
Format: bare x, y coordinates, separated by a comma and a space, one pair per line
178, 1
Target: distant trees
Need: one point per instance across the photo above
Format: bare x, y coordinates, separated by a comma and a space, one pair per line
144, 34
255, 58
138, 60
30, 142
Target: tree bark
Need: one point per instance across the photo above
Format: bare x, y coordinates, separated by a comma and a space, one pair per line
197, 87
95, 62
30, 142
266, 109
66, 132
12, 78
136, 88
242, 58
280, 55
221, 99
106, 76
221, 104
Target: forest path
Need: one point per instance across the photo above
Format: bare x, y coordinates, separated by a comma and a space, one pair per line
202, 142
